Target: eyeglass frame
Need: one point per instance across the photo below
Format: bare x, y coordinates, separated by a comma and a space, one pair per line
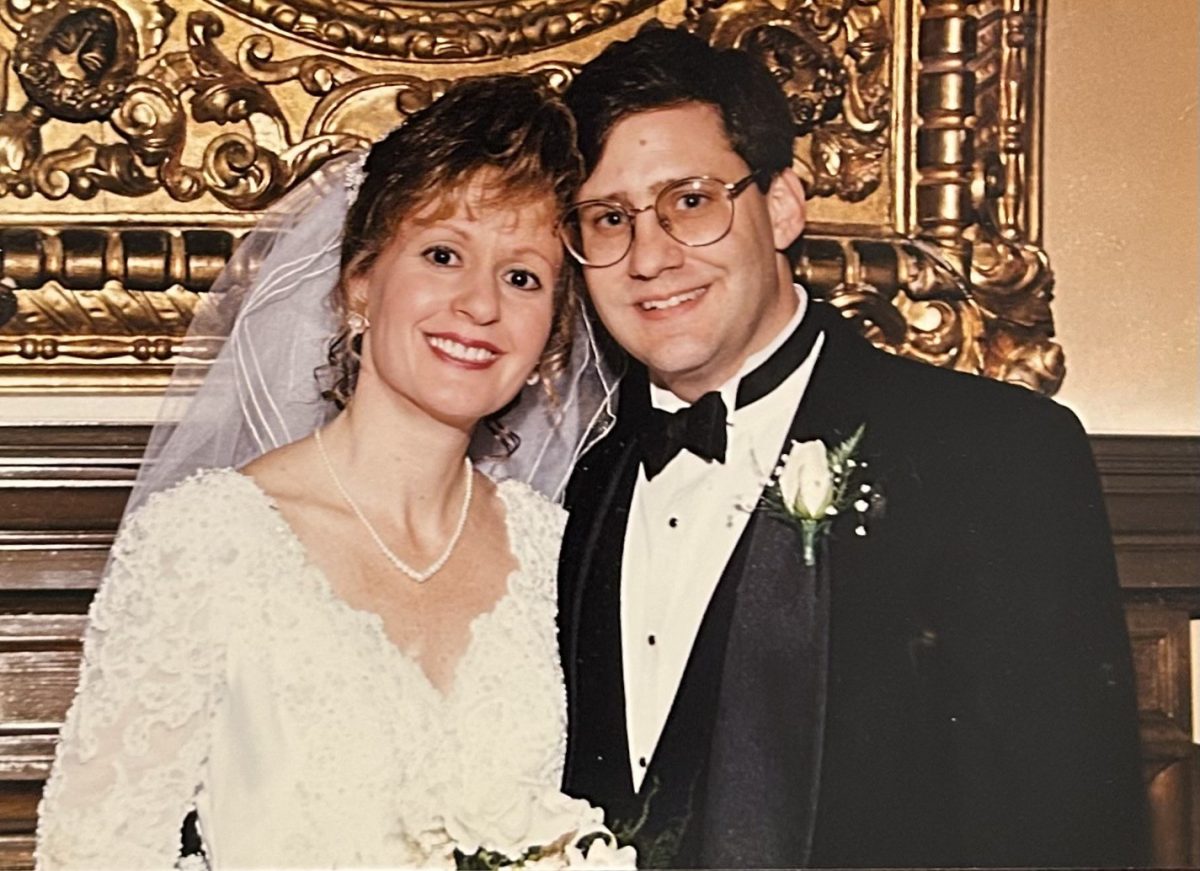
733, 189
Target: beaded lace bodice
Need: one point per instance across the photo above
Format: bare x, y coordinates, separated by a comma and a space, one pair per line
222, 673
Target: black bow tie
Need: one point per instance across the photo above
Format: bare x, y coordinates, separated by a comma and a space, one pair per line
700, 427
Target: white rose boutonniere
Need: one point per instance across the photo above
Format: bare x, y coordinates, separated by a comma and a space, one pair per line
814, 484
806, 482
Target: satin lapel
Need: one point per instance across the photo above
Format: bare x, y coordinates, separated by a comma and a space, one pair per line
830, 409
598, 761
766, 759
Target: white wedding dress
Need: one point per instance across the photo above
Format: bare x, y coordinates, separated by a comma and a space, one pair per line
221, 673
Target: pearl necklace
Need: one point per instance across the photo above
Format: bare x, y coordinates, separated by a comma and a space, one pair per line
419, 576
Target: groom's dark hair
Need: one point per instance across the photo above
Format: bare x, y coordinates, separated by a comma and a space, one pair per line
663, 67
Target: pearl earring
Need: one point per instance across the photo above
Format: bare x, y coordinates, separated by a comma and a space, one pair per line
357, 322
533, 378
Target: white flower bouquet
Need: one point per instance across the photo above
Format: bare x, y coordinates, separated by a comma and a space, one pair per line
532, 828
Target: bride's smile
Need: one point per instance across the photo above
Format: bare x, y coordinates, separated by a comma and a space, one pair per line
457, 349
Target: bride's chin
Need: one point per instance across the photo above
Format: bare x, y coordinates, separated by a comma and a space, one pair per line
445, 403
462, 412
456, 416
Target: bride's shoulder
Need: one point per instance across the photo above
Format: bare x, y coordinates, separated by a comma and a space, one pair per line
535, 528
529, 508
203, 488
209, 502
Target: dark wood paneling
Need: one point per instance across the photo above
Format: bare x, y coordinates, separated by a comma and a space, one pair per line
1152, 490
62, 489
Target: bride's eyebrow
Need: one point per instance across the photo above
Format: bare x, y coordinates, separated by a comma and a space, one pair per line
440, 226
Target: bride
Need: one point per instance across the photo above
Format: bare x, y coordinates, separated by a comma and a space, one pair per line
342, 652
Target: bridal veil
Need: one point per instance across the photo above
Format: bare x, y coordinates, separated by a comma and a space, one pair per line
249, 379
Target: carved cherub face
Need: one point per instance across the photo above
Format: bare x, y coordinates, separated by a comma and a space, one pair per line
83, 45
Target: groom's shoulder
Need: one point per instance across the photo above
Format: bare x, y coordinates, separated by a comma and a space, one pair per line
926, 395
958, 426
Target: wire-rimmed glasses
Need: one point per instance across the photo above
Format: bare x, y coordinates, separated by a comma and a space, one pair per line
694, 211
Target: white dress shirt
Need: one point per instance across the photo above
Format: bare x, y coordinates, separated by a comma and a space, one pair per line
683, 527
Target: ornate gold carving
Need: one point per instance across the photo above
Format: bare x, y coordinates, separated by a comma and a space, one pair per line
438, 32
55, 313
76, 57
917, 132
8, 300
243, 169
1010, 272
979, 80
135, 259
970, 288
832, 58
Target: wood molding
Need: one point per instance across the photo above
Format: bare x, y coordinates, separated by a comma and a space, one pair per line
1152, 490
62, 490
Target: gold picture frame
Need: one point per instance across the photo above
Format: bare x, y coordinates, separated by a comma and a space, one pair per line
139, 139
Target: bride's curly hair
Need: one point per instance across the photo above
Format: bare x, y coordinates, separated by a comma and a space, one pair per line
513, 126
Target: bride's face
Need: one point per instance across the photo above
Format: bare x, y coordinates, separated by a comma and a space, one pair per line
460, 303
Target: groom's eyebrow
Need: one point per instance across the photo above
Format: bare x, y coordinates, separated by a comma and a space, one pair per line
654, 190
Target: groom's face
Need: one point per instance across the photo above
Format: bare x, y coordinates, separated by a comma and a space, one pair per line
691, 314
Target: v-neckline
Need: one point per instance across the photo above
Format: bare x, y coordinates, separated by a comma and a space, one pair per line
374, 621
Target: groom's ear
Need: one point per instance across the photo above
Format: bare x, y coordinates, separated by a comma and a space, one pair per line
786, 206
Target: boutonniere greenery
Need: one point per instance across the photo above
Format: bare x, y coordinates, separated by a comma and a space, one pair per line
814, 484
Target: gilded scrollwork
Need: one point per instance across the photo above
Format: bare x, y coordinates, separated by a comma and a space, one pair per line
153, 123
832, 59
438, 32
1010, 272
86, 168
950, 333
20, 147
153, 113
255, 158
150, 19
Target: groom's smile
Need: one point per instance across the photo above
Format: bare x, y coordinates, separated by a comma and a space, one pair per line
677, 303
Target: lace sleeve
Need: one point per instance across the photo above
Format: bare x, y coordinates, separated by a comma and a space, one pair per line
130, 751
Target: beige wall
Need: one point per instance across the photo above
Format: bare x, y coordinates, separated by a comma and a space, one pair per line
1122, 203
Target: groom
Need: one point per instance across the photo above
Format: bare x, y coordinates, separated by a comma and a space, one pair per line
946, 682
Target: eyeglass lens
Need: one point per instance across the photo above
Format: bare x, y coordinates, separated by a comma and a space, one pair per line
694, 212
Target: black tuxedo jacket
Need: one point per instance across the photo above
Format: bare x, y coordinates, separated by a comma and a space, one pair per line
952, 689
